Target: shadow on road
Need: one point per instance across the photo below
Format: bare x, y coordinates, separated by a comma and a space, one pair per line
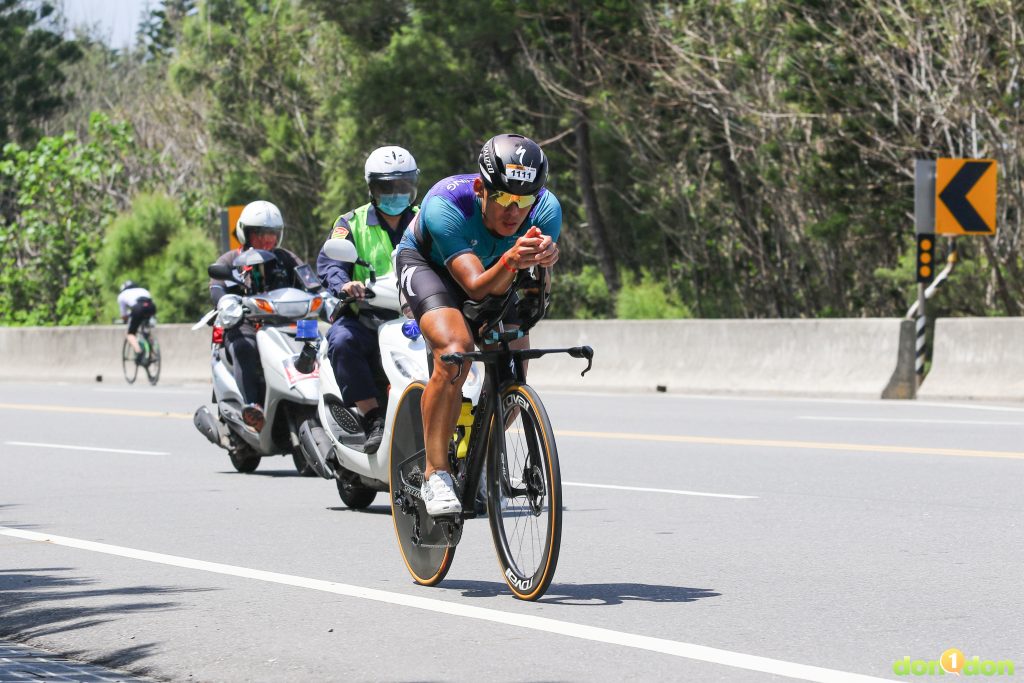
372, 510
590, 594
47, 600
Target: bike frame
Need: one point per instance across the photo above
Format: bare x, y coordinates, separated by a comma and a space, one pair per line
503, 367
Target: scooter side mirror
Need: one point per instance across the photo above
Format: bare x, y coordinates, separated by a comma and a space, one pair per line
219, 271
341, 250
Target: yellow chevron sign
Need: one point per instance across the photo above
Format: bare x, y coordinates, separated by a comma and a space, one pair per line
965, 196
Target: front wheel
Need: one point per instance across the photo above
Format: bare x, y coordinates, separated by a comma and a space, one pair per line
353, 492
153, 365
243, 462
423, 543
524, 494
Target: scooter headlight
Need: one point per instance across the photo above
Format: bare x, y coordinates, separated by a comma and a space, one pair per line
230, 311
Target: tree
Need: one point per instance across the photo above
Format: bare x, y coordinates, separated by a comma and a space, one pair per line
31, 59
61, 198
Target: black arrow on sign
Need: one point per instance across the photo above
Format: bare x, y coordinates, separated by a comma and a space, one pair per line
954, 196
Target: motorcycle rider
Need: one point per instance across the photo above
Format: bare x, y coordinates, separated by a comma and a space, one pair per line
260, 226
473, 234
136, 304
375, 228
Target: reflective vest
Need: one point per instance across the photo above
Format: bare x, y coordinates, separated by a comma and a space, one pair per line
371, 239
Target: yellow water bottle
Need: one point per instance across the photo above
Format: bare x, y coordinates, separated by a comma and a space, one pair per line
463, 429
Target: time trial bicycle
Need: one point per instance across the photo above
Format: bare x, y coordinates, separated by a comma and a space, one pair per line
506, 441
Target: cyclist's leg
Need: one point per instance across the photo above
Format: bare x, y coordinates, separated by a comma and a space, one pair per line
446, 331
134, 321
436, 301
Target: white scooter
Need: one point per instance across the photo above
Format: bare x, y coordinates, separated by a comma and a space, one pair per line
334, 447
286, 318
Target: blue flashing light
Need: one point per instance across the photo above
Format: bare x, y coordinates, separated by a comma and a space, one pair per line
410, 329
306, 330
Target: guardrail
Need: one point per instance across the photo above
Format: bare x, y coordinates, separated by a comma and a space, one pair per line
830, 357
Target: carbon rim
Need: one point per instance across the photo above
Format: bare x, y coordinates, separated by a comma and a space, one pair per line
524, 494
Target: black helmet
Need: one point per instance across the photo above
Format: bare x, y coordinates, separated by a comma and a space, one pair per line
514, 164
128, 284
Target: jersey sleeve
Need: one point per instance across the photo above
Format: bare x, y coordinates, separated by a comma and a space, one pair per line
444, 222
548, 216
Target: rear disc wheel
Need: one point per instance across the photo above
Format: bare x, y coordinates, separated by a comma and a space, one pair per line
422, 541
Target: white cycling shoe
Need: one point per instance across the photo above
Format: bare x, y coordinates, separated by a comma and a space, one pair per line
438, 494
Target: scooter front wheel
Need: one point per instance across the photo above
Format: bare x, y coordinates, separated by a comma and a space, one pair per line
423, 543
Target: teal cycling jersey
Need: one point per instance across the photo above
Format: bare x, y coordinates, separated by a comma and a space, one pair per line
450, 223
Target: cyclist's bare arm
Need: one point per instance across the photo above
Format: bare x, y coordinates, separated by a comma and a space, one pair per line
469, 271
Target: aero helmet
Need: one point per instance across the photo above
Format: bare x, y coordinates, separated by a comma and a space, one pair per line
514, 164
391, 171
259, 215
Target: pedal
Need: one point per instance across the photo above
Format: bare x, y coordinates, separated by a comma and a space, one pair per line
451, 529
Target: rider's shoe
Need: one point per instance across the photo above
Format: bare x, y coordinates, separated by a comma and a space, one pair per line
252, 415
438, 494
374, 434
140, 358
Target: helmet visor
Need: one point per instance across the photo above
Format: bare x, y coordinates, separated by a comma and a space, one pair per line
396, 184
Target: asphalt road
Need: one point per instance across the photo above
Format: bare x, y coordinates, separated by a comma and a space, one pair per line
841, 537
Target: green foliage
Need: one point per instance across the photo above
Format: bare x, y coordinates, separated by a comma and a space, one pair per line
31, 58
151, 245
648, 299
59, 201
580, 295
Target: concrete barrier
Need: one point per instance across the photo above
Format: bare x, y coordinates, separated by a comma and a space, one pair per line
93, 353
976, 358
850, 357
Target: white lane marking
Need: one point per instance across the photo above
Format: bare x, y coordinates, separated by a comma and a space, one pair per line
701, 653
83, 448
147, 390
639, 488
829, 418
909, 405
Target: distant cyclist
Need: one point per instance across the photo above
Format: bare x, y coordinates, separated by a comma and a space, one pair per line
136, 304
472, 236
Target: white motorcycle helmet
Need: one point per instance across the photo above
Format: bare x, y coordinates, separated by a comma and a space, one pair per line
259, 215
391, 177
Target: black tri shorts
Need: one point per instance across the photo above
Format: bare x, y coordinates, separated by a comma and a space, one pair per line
426, 286
143, 308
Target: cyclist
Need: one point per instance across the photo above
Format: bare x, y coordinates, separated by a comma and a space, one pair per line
472, 235
136, 304
260, 226
375, 228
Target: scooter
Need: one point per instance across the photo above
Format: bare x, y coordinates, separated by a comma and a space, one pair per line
334, 446
285, 319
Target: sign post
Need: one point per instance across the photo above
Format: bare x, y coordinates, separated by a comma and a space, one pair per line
952, 197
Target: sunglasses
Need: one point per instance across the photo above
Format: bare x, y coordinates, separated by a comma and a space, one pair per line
505, 199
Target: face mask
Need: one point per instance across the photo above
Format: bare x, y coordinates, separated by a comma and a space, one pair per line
393, 204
